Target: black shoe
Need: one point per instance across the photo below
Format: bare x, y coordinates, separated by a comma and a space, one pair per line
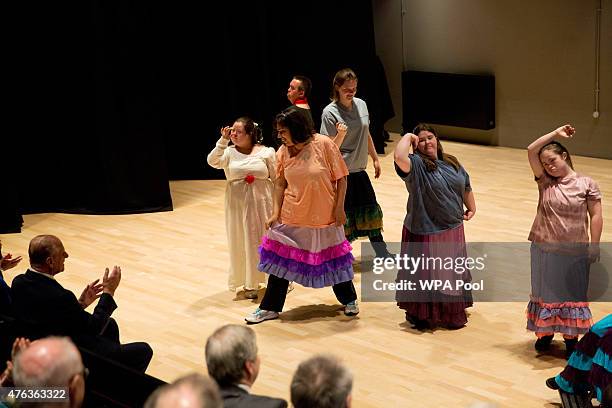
409, 319
543, 343
421, 325
552, 383
570, 345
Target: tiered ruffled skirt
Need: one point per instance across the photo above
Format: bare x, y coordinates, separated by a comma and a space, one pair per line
364, 218
438, 307
312, 257
590, 366
559, 285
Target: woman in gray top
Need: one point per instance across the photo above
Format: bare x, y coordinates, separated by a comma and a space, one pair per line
346, 120
439, 189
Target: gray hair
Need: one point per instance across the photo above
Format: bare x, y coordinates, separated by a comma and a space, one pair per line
227, 351
49, 362
321, 381
192, 390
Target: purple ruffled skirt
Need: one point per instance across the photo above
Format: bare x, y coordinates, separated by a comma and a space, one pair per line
312, 257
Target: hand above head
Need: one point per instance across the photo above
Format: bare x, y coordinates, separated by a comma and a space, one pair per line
91, 293
414, 139
225, 132
111, 280
566, 131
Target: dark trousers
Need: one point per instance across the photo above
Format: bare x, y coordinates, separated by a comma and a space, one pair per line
380, 246
134, 355
276, 293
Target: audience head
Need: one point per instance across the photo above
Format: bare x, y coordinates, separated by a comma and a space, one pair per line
299, 88
245, 133
47, 254
321, 381
344, 86
556, 159
190, 391
51, 362
430, 148
231, 355
292, 126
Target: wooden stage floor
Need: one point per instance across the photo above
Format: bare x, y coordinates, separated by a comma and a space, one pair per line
174, 294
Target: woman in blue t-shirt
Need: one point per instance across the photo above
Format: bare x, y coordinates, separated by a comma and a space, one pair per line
439, 189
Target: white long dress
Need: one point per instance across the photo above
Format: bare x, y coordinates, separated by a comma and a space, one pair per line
248, 204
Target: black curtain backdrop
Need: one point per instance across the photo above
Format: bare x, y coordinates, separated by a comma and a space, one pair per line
121, 96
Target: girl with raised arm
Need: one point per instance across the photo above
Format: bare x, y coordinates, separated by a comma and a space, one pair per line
560, 250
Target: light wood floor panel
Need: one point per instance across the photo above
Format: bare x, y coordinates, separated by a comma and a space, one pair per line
174, 294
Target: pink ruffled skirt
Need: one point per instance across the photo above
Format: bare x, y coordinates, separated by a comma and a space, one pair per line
312, 257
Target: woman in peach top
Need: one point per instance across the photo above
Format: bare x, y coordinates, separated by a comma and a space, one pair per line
560, 250
305, 242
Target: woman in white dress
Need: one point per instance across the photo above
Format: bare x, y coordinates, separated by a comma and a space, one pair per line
250, 171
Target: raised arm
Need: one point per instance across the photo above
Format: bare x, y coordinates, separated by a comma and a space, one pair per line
333, 128
405, 147
217, 158
341, 130
533, 150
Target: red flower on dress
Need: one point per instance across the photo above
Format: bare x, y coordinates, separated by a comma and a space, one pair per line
249, 178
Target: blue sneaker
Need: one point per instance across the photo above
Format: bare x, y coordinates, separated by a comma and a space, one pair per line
260, 315
351, 308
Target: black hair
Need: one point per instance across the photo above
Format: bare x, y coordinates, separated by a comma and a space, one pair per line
296, 121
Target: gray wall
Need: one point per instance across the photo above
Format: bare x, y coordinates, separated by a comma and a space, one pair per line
542, 53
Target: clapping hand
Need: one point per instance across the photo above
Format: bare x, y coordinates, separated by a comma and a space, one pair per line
90, 293
20, 344
111, 280
7, 261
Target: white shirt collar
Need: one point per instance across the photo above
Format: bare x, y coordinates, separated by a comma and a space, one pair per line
244, 387
41, 273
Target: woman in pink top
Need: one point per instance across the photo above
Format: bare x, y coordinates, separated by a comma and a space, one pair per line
305, 242
560, 250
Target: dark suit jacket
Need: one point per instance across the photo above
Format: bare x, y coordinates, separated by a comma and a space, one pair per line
5, 296
44, 306
235, 397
